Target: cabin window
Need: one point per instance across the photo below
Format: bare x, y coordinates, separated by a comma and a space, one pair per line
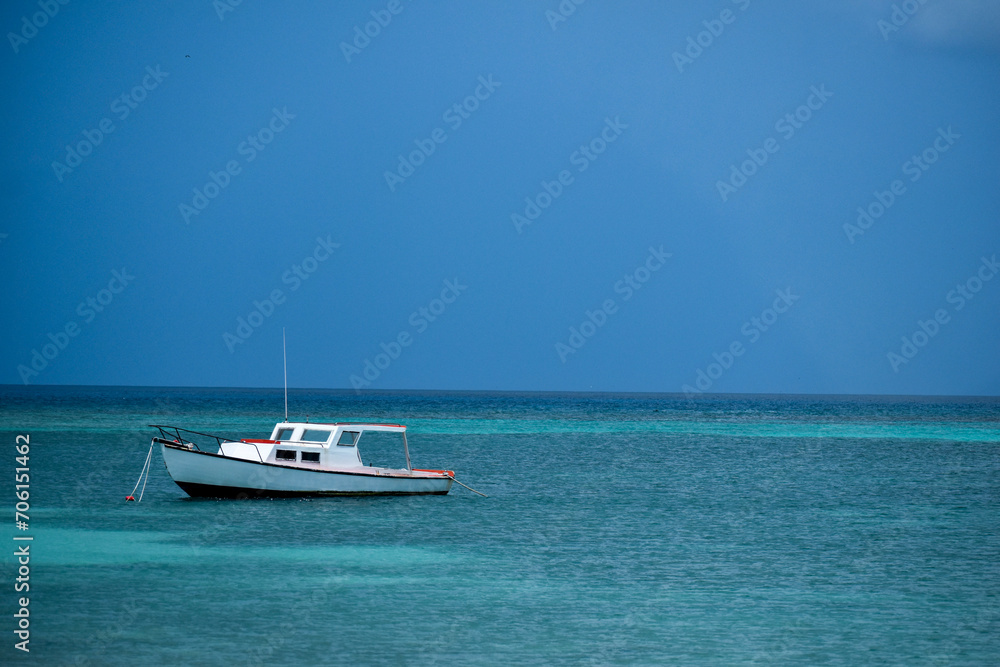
285, 434
384, 449
348, 438
311, 457
315, 435
284, 454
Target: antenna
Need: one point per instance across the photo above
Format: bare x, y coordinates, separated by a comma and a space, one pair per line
284, 358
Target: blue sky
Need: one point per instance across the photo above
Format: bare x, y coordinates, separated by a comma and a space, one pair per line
251, 181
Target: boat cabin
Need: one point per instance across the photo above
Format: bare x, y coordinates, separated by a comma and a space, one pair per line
304, 444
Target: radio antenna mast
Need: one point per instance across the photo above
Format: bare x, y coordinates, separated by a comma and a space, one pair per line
284, 358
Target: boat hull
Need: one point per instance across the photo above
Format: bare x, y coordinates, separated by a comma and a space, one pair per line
208, 475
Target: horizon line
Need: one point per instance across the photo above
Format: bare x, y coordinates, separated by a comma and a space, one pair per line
507, 391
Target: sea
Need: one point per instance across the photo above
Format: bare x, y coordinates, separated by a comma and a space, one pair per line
619, 529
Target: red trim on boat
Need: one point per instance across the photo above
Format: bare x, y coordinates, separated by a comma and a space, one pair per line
325, 471
253, 441
367, 424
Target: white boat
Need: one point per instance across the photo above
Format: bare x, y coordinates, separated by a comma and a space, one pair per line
299, 459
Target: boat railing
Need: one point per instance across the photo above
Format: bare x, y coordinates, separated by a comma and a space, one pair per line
174, 433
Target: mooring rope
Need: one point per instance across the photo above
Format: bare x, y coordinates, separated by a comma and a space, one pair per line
145, 472
149, 461
467, 486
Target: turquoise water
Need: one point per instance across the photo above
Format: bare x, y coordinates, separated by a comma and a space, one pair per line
634, 529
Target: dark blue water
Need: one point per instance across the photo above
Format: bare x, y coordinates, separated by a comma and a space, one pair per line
619, 530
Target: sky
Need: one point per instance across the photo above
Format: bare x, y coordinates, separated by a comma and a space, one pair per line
729, 196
